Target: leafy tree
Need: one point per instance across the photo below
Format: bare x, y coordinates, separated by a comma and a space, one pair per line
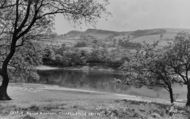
75, 57
166, 66
26, 20
48, 56
24, 61
60, 49
178, 56
147, 67
98, 55
81, 44
58, 59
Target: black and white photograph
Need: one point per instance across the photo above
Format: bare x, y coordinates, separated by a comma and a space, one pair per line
94, 59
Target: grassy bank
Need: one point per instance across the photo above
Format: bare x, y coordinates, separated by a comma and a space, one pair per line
35, 101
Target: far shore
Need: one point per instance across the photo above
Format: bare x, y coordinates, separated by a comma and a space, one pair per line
79, 68
44, 67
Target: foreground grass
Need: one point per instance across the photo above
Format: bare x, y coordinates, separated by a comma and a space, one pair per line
35, 103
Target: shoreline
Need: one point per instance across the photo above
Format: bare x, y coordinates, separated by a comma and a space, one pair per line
79, 68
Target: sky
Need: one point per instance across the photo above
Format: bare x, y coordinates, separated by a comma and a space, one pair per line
136, 14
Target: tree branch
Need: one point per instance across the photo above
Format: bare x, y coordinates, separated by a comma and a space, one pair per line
26, 17
22, 43
3, 4
17, 15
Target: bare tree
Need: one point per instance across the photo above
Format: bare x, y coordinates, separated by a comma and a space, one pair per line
21, 20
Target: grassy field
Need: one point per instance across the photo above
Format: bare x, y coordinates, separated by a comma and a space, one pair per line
36, 101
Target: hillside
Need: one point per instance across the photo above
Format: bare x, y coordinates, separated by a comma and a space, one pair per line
112, 39
138, 36
96, 33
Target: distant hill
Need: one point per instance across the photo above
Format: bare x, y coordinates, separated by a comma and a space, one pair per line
95, 33
141, 33
73, 33
164, 35
134, 36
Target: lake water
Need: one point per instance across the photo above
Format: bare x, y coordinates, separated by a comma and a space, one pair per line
103, 81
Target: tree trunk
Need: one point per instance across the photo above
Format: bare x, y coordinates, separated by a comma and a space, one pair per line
171, 95
5, 82
188, 94
4, 72
3, 87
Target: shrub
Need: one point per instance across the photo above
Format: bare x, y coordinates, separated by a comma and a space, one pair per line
81, 44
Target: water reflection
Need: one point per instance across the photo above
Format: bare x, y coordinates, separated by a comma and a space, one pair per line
103, 81
96, 80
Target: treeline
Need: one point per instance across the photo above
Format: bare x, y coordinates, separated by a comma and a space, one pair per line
73, 56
